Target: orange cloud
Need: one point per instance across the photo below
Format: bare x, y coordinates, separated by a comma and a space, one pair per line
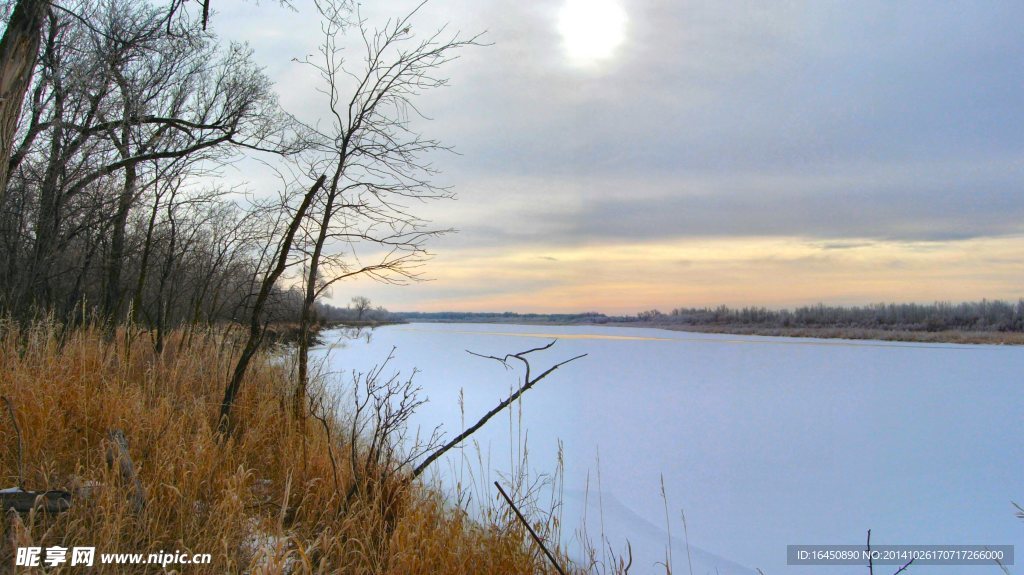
769, 271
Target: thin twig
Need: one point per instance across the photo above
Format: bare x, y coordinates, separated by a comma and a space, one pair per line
530, 529
871, 561
904, 568
1001, 566
629, 552
686, 538
21, 453
487, 416
669, 561
321, 414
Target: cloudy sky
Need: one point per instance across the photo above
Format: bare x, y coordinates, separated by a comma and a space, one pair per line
619, 155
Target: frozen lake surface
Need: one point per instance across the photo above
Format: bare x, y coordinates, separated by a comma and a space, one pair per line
763, 442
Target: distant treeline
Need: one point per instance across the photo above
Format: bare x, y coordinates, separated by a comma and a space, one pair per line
359, 311
940, 316
506, 317
984, 315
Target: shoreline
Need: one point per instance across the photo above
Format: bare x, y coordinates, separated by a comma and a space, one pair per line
909, 336
851, 333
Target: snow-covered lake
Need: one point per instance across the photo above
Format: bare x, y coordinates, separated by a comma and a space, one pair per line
762, 442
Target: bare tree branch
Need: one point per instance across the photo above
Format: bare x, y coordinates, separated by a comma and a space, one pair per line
528, 383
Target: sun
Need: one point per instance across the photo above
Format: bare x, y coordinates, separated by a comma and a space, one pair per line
591, 30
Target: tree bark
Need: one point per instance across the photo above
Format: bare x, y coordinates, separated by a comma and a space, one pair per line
115, 261
144, 263
19, 49
35, 290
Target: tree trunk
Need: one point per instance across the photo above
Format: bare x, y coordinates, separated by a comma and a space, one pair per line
144, 263
18, 51
162, 298
224, 424
305, 323
115, 261
35, 289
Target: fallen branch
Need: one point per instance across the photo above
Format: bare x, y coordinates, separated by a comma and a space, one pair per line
54, 501
117, 453
487, 416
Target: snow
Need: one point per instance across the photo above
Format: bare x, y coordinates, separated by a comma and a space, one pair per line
762, 442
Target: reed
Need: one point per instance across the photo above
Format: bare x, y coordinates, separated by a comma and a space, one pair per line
275, 498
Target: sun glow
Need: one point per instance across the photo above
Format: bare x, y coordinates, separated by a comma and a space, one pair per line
591, 30
691, 271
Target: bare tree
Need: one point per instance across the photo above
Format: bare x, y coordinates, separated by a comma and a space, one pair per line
381, 447
256, 328
374, 156
360, 304
19, 49
121, 104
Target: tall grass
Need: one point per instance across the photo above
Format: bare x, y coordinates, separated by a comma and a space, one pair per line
269, 500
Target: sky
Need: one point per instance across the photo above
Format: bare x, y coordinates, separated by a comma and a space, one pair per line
623, 155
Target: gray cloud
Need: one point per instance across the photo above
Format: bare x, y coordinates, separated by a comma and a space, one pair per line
915, 215
710, 86
911, 202
827, 120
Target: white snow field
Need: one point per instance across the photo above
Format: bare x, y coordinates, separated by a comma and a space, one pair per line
762, 442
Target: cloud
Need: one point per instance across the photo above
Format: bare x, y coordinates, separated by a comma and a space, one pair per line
897, 202
844, 245
847, 126
770, 271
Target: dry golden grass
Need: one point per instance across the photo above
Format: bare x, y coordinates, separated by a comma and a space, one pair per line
266, 502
